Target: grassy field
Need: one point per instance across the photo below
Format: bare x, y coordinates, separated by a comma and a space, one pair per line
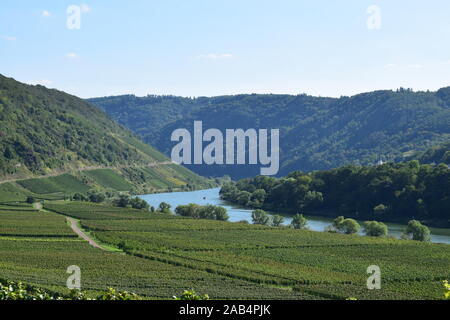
159, 256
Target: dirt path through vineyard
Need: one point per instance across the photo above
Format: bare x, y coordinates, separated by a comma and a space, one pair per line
78, 231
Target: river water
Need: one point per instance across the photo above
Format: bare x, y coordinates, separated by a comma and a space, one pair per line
211, 196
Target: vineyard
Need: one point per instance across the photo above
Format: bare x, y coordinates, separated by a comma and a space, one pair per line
63, 183
159, 255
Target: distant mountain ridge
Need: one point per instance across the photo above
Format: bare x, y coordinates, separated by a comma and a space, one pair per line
316, 132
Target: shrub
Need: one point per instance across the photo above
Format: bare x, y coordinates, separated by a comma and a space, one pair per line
299, 222
112, 294
10, 290
31, 200
417, 231
164, 208
277, 220
202, 212
261, 217
375, 229
447, 290
96, 197
347, 226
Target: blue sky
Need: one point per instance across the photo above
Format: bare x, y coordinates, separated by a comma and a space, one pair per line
215, 47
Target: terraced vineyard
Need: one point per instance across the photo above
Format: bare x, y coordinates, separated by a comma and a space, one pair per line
144, 179
63, 183
166, 254
107, 178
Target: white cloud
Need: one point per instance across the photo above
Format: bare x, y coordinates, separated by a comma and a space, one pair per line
43, 82
415, 66
85, 8
46, 13
391, 65
72, 55
9, 38
216, 56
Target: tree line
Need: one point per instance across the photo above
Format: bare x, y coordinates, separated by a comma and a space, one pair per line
396, 192
414, 230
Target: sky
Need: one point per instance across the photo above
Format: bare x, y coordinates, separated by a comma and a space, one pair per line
216, 47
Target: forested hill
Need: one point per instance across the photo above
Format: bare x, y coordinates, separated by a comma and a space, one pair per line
390, 192
43, 131
436, 154
316, 133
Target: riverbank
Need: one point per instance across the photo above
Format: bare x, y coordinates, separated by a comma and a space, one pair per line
236, 213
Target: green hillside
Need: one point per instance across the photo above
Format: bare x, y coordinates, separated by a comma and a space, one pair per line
316, 133
54, 143
436, 154
44, 130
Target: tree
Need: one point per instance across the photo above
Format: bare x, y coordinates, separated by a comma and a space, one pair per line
79, 197
137, 203
375, 229
220, 213
8, 153
260, 217
202, 212
277, 220
299, 221
347, 226
96, 197
350, 226
257, 198
189, 210
380, 210
31, 200
243, 198
123, 201
165, 207
417, 231
313, 199
337, 223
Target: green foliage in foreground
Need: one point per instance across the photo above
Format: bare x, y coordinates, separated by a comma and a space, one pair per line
191, 295
446, 290
389, 192
10, 290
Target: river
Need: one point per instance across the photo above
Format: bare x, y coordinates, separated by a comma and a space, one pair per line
211, 196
